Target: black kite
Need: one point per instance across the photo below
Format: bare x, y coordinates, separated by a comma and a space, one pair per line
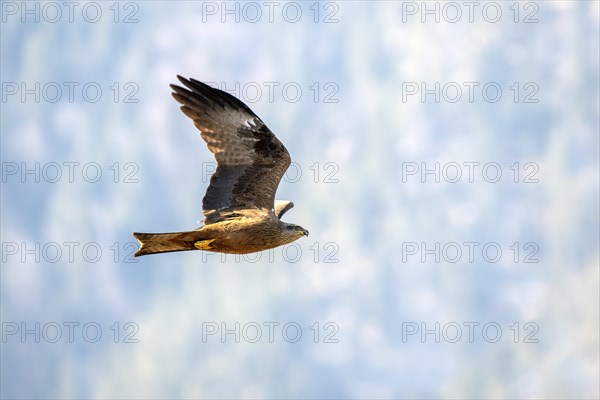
241, 214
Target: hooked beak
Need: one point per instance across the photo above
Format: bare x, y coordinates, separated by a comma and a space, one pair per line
305, 232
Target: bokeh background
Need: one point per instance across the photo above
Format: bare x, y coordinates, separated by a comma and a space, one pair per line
352, 132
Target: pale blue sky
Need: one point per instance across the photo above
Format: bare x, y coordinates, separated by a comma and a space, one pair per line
361, 140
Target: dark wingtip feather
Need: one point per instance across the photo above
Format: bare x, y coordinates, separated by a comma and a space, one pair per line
182, 79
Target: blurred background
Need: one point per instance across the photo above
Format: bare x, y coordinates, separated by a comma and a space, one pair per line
446, 160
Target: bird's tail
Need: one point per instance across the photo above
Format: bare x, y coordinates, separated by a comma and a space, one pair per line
152, 243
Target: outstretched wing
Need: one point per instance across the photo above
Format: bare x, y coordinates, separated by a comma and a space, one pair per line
251, 160
282, 206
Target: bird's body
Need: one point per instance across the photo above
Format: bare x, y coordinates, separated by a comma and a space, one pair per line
241, 214
248, 231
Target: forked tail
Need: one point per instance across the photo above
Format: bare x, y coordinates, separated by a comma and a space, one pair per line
152, 243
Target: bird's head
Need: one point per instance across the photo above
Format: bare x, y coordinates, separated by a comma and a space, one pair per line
295, 231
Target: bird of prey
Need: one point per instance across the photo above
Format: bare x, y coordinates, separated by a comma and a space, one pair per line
240, 212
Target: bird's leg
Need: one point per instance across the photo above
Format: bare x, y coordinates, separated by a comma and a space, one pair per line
204, 244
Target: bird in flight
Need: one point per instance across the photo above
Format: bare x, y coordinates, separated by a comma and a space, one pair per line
240, 212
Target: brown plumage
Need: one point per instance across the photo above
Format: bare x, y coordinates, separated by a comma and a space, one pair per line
240, 212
